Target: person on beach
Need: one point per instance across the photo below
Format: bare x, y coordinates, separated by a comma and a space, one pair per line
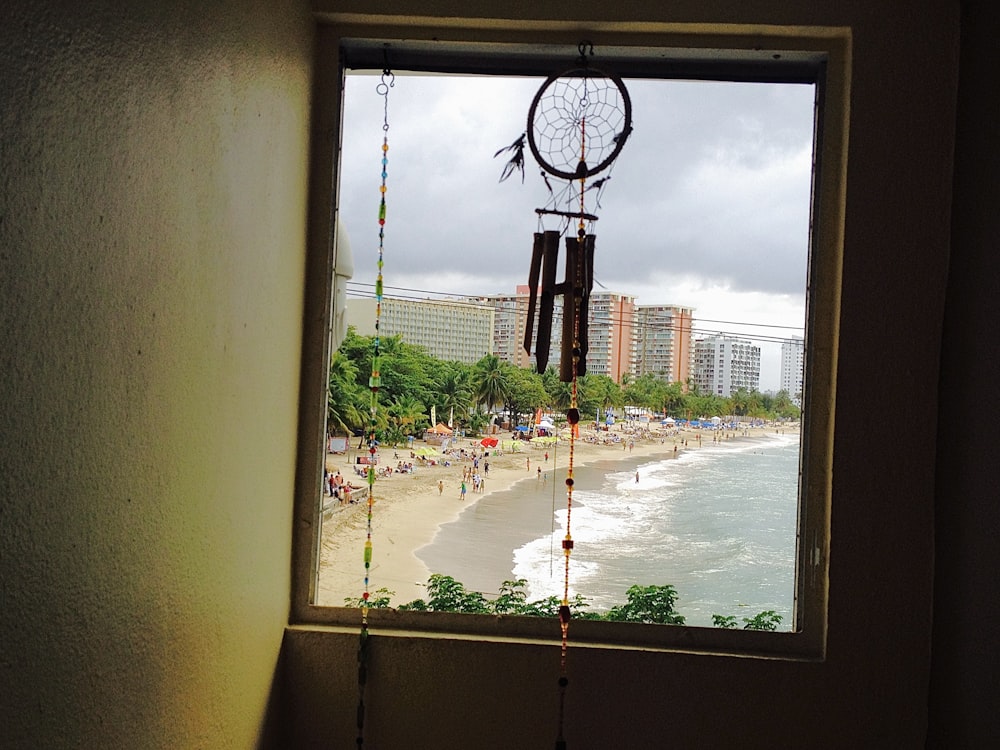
546, 456
440, 487
463, 490
528, 459
539, 472
637, 477
486, 467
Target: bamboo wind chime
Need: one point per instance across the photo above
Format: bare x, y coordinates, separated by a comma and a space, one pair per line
577, 125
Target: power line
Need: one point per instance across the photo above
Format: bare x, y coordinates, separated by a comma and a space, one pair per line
467, 303
613, 318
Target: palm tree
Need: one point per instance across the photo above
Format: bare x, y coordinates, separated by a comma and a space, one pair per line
407, 413
345, 398
560, 393
492, 388
455, 393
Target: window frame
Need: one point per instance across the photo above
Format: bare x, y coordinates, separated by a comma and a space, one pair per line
819, 55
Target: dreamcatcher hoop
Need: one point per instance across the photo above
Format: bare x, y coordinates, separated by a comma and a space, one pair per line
579, 117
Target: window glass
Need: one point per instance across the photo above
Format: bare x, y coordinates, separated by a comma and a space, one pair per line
687, 471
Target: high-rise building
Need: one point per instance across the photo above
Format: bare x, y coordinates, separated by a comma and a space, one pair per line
792, 368
448, 329
610, 321
663, 342
510, 317
611, 335
723, 365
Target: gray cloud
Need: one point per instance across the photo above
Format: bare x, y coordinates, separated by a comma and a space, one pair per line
712, 186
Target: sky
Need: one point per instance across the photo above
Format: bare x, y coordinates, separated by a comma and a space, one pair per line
707, 205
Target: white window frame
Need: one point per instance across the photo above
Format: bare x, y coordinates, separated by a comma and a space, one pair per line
653, 50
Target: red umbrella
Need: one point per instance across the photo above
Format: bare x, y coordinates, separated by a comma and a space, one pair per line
488, 442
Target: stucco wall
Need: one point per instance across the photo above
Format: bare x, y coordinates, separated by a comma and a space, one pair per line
153, 161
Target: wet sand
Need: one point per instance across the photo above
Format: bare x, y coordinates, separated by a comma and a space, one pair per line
408, 512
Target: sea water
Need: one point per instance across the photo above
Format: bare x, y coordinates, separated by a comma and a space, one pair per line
718, 523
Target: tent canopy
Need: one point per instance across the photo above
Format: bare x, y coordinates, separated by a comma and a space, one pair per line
440, 429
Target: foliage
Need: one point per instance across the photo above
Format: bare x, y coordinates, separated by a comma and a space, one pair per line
379, 599
768, 620
408, 414
525, 392
645, 604
490, 376
654, 604
345, 398
512, 597
477, 422
410, 375
454, 391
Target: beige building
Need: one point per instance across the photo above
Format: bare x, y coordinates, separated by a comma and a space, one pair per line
663, 341
610, 318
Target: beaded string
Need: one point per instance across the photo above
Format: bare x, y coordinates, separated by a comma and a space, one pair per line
374, 382
573, 418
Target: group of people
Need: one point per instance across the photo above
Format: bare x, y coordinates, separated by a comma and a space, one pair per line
478, 484
334, 486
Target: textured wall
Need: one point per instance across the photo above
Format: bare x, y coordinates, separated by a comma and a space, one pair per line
152, 172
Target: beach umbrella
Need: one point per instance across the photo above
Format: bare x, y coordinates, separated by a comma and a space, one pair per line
521, 428
488, 442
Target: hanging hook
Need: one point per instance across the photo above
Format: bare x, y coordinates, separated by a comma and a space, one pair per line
385, 60
388, 79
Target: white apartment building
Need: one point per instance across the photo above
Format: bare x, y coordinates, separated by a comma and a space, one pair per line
449, 329
793, 368
723, 365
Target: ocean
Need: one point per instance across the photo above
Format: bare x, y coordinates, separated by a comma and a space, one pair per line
718, 523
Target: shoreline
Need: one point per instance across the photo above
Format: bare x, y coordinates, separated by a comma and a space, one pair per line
409, 512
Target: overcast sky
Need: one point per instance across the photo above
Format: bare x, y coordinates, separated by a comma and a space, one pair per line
707, 205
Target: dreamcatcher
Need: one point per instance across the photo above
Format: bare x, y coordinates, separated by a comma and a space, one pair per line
577, 125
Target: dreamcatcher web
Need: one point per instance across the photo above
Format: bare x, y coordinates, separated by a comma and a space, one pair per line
578, 122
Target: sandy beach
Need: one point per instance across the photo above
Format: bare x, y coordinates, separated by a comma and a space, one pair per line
409, 509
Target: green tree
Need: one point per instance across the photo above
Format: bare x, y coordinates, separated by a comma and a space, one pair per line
560, 394
408, 414
445, 594
379, 599
490, 387
477, 422
525, 392
767, 620
512, 597
646, 391
746, 403
345, 402
652, 604
454, 391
